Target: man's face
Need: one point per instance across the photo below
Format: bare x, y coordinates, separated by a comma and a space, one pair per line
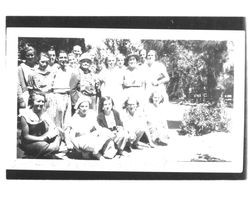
63, 59
52, 56
77, 51
43, 62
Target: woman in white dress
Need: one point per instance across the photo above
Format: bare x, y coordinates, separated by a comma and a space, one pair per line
85, 136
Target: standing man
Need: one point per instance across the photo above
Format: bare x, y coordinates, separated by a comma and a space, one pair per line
61, 89
77, 50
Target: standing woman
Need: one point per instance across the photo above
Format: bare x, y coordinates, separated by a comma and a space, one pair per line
61, 90
110, 118
157, 76
85, 82
42, 81
111, 81
39, 139
25, 71
133, 81
53, 65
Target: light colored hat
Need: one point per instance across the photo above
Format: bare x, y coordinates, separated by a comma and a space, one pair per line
82, 99
85, 56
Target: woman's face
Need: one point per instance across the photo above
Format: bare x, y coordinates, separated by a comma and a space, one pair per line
151, 56
131, 106
107, 106
120, 62
111, 62
30, 56
132, 62
63, 59
52, 56
43, 63
72, 60
84, 107
77, 51
156, 99
143, 54
38, 103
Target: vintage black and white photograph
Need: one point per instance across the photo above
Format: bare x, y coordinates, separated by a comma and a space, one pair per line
142, 100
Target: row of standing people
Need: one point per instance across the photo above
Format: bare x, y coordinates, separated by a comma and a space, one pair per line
64, 84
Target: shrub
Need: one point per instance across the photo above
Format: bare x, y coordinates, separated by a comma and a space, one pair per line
203, 119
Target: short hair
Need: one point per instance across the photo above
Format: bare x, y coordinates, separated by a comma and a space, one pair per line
103, 99
156, 56
30, 48
125, 105
45, 54
33, 95
153, 94
62, 51
51, 48
80, 100
109, 57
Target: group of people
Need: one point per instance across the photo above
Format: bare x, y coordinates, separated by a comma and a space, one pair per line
68, 105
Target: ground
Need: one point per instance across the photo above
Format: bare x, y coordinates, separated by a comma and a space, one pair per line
206, 148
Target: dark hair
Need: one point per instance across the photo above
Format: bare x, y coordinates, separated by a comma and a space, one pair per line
33, 95
29, 48
51, 48
62, 51
106, 59
103, 99
43, 54
151, 97
129, 56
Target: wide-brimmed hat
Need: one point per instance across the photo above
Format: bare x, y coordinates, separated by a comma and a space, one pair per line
85, 56
137, 57
82, 99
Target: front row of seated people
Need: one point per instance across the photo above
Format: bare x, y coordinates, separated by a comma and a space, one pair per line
94, 136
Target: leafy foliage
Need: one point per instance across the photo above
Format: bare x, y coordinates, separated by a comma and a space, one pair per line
203, 119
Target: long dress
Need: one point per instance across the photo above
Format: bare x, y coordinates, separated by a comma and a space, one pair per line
39, 149
134, 85
153, 73
112, 85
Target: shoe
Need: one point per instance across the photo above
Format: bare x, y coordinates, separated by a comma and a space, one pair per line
160, 142
97, 156
127, 149
136, 146
110, 151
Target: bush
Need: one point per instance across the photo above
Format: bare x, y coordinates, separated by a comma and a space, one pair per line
203, 119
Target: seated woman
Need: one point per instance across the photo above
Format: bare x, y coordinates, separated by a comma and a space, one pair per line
109, 118
156, 113
135, 123
39, 138
85, 136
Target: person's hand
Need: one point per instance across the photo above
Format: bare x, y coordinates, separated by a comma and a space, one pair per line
155, 83
52, 133
119, 129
